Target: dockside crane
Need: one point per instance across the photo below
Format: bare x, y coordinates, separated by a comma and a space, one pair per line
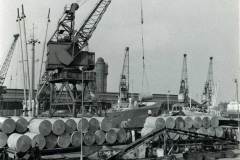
209, 90
124, 78
5, 65
67, 63
183, 91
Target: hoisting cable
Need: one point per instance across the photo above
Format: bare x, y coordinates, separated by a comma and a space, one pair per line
144, 75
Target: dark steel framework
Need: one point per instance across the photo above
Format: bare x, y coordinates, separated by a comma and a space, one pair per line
63, 82
208, 92
124, 78
183, 91
76, 75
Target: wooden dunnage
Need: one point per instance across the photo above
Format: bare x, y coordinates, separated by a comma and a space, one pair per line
40, 126
19, 142
100, 137
76, 139
51, 141
21, 124
7, 125
64, 140
89, 138
37, 140
58, 126
3, 139
70, 125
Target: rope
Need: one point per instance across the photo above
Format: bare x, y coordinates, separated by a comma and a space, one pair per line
143, 49
144, 74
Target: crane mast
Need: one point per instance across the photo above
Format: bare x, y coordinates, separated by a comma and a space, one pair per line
183, 91
208, 91
124, 78
6, 63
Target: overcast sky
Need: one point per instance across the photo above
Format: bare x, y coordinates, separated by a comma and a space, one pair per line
200, 28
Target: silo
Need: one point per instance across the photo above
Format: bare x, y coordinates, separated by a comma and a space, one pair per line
101, 69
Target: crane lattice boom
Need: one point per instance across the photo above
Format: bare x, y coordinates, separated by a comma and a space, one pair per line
90, 24
6, 63
183, 92
208, 91
124, 78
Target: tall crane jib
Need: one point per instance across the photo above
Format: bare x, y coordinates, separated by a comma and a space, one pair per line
124, 78
6, 63
183, 92
208, 91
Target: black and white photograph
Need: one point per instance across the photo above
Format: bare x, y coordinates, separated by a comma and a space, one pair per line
119, 80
